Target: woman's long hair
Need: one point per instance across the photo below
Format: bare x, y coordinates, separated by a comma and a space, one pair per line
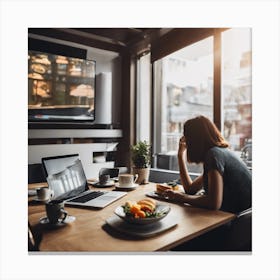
201, 135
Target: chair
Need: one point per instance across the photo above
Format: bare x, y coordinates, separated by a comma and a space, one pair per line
239, 236
35, 173
234, 236
164, 176
113, 172
34, 238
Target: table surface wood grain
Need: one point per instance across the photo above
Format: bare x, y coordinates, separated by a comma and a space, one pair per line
89, 232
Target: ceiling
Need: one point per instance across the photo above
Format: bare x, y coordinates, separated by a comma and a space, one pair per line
113, 39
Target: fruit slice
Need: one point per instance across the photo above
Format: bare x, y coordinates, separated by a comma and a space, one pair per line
147, 205
140, 214
135, 208
150, 200
129, 203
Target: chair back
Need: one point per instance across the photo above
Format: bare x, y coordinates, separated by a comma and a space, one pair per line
113, 172
34, 238
36, 173
239, 236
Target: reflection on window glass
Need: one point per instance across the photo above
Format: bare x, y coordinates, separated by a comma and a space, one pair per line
186, 91
237, 88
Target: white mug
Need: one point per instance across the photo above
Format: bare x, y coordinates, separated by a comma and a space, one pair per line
127, 180
44, 193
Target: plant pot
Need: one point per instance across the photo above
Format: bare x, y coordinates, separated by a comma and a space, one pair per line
143, 175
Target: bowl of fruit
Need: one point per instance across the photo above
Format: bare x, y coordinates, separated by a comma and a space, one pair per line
142, 212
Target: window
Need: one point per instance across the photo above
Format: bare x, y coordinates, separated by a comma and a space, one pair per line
184, 88
237, 87
184, 83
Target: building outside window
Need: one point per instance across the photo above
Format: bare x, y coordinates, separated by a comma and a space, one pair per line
237, 89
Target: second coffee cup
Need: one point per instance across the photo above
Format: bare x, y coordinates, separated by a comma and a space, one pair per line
127, 180
104, 178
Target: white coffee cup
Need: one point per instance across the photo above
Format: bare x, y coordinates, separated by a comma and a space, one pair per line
44, 193
127, 180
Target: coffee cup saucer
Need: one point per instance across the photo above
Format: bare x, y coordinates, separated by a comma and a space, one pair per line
37, 199
99, 184
69, 219
130, 187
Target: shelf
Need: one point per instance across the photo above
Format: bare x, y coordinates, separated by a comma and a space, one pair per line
74, 133
48, 77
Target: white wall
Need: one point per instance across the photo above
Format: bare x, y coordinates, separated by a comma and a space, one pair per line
106, 61
85, 151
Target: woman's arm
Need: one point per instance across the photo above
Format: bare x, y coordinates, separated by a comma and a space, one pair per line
190, 187
212, 200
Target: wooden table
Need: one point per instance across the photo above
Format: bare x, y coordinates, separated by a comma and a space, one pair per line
88, 232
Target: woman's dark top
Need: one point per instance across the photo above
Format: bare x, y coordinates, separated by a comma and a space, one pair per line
237, 179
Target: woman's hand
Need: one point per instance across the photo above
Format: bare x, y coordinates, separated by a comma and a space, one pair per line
174, 196
182, 146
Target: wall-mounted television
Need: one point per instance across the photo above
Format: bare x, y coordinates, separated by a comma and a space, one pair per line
61, 89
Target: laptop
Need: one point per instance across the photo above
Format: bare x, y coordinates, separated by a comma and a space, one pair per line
66, 177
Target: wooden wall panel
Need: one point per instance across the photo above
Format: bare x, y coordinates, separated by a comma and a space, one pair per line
128, 113
217, 80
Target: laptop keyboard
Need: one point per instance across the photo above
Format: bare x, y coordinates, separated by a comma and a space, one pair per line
87, 197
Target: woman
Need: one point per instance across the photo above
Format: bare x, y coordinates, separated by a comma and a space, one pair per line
226, 180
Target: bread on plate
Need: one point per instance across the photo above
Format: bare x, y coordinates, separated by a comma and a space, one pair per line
160, 188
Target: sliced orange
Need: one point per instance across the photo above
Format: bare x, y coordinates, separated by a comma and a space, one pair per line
140, 214
135, 208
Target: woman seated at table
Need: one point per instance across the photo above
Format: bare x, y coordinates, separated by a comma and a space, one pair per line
226, 180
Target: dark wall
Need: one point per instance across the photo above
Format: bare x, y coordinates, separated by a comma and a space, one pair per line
54, 48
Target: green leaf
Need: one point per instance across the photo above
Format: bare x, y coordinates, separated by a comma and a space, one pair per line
141, 154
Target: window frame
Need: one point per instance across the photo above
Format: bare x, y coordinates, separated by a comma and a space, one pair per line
217, 91
156, 98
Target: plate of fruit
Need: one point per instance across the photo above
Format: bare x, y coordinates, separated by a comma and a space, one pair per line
142, 212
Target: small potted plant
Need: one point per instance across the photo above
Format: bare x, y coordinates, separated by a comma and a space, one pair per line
141, 158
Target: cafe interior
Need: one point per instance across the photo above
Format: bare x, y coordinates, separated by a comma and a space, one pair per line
101, 98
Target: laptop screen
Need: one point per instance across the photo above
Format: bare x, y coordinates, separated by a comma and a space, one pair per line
56, 164
65, 176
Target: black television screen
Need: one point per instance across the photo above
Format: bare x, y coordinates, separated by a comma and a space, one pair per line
60, 88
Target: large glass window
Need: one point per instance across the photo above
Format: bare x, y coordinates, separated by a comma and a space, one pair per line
237, 88
184, 89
